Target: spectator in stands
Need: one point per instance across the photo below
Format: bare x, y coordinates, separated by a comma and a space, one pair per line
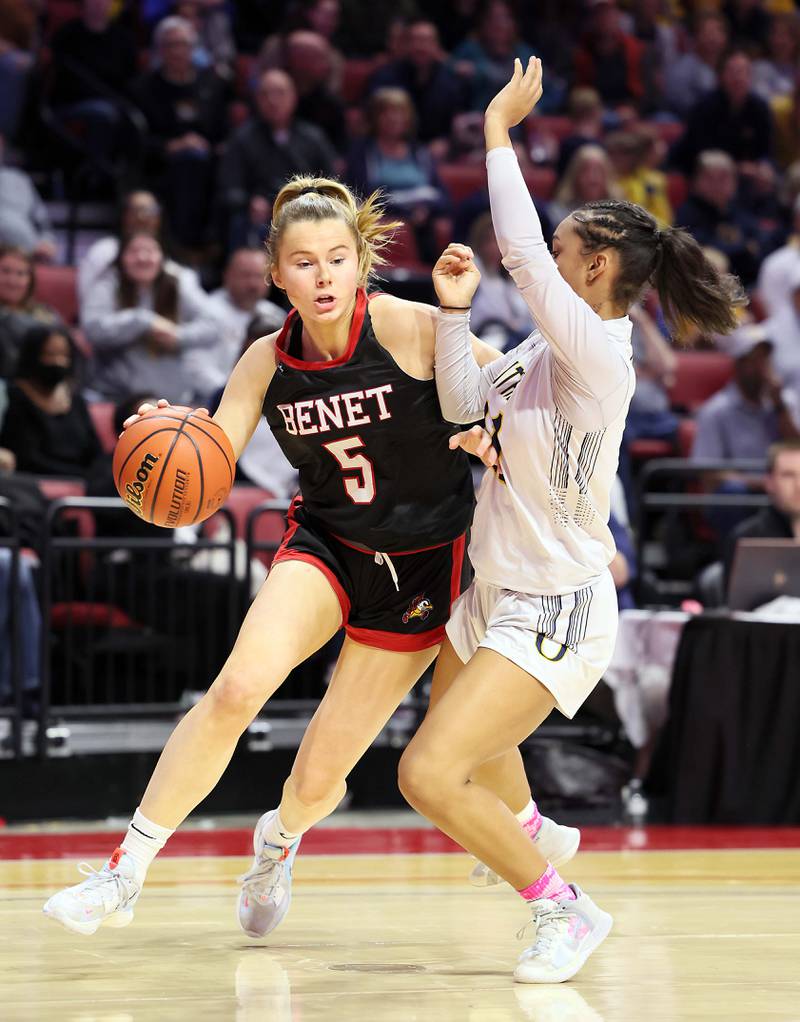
650, 416
749, 22
140, 321
786, 113
436, 92
319, 16
186, 112
781, 520
609, 59
753, 411
263, 153
585, 110
23, 216
693, 75
242, 296
784, 330
17, 39
589, 176
731, 118
94, 62
309, 64
775, 74
780, 268
390, 159
499, 313
215, 46
483, 59
19, 310
652, 24
717, 219
140, 214
637, 180
47, 425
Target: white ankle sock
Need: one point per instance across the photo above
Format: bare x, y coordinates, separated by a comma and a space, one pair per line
276, 833
143, 841
527, 812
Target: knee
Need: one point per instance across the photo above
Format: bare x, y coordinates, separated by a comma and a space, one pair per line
236, 695
419, 779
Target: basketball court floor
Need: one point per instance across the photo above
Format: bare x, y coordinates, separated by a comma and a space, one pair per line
385, 927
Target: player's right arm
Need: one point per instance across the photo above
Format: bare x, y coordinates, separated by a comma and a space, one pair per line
243, 398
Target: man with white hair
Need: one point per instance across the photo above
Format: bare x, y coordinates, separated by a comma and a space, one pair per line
186, 112
779, 268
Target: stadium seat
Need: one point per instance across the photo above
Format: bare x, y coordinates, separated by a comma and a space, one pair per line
558, 127
55, 285
102, 413
677, 189
269, 527
355, 75
687, 429
541, 181
403, 252
461, 180
646, 448
698, 375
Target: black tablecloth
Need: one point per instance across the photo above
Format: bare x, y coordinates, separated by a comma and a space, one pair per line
730, 752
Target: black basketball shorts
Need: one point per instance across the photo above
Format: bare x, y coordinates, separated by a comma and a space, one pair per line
399, 601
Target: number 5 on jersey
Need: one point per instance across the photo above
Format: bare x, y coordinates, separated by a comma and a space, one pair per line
360, 487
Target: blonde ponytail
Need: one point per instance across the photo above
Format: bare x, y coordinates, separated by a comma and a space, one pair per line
306, 198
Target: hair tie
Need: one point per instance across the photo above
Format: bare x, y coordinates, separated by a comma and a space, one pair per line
306, 191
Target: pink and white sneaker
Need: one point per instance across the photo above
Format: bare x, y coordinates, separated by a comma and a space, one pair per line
105, 898
556, 843
567, 932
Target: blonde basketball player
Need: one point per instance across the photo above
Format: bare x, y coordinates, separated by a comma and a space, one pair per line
536, 628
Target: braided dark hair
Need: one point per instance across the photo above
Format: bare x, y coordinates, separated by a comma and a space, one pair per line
691, 289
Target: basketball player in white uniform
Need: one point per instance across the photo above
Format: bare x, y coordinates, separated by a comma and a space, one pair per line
536, 628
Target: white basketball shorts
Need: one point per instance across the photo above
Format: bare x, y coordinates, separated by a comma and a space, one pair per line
565, 642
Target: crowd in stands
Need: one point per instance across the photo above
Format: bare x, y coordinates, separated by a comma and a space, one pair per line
191, 114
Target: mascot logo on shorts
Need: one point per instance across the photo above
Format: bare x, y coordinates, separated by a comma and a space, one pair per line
419, 607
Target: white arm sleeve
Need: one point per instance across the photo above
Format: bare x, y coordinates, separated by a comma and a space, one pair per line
462, 385
588, 366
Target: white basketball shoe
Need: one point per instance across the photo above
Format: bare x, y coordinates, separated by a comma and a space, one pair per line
566, 934
267, 886
105, 898
556, 843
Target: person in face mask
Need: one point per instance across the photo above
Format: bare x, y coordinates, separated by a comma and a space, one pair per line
47, 425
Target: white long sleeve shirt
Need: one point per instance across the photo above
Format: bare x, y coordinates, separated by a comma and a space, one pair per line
556, 406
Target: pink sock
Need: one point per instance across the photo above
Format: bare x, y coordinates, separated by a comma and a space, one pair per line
531, 819
549, 885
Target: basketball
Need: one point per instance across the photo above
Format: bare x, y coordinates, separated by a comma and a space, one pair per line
174, 466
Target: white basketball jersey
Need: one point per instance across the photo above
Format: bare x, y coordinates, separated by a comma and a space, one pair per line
541, 524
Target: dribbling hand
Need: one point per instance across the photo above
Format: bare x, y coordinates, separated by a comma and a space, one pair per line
475, 441
161, 403
456, 277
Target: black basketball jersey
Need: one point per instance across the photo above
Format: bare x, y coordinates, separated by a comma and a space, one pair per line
369, 443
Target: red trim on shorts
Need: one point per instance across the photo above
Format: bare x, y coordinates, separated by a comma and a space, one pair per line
459, 546
352, 339
312, 559
395, 641
292, 526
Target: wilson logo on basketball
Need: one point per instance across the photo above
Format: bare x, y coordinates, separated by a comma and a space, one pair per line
419, 607
134, 492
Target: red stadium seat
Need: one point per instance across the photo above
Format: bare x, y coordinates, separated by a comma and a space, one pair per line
269, 526
558, 127
355, 76
698, 375
55, 285
102, 413
462, 179
687, 428
541, 181
677, 189
644, 449
403, 253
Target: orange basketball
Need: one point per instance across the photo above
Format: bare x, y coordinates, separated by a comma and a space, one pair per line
174, 466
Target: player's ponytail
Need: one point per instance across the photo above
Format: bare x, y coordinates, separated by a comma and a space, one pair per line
320, 198
691, 288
